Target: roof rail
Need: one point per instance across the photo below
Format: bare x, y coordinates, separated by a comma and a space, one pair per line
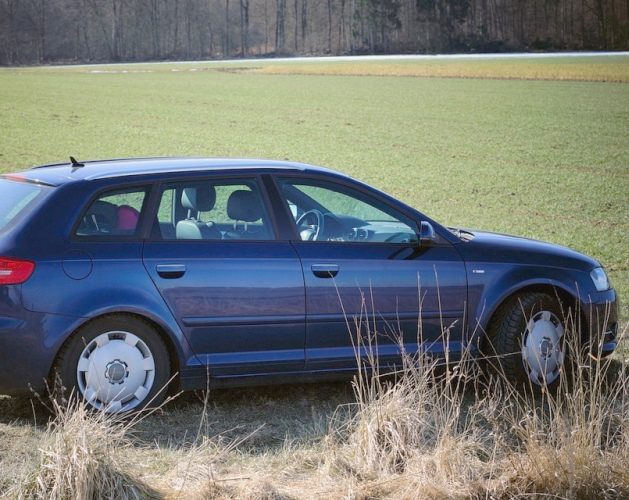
111, 160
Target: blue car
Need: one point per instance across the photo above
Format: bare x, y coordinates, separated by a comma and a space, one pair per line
119, 276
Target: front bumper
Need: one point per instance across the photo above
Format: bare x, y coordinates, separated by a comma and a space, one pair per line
601, 313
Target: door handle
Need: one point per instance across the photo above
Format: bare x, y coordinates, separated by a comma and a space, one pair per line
325, 270
171, 271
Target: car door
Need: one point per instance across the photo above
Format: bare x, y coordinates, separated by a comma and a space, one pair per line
369, 283
235, 289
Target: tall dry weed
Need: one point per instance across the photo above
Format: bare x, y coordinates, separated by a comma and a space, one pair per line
574, 442
457, 433
80, 458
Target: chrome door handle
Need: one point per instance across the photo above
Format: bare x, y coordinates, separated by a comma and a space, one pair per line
171, 271
325, 270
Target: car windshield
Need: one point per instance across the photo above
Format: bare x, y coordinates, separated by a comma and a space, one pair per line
17, 199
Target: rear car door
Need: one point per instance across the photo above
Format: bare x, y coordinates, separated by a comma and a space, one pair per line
368, 281
235, 289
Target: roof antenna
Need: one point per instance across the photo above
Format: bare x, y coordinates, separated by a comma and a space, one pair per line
76, 164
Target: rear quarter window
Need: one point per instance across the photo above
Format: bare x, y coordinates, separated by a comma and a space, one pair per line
113, 214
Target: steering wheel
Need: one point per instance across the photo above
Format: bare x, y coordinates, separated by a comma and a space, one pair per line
95, 224
310, 225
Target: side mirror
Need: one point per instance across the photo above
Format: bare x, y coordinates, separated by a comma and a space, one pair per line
427, 233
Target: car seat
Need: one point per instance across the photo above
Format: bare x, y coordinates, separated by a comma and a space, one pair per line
196, 200
244, 207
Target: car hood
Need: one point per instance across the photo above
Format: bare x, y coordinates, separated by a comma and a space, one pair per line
484, 246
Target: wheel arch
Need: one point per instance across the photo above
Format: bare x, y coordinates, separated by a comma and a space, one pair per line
167, 336
567, 296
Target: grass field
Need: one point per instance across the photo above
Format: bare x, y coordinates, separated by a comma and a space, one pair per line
545, 159
530, 147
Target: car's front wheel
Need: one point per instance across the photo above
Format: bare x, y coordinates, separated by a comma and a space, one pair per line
527, 336
116, 364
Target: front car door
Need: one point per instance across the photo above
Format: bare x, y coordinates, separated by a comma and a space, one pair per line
365, 271
235, 289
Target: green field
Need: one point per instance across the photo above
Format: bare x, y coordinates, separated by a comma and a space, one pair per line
530, 147
544, 159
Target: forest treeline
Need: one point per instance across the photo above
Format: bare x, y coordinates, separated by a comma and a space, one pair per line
45, 31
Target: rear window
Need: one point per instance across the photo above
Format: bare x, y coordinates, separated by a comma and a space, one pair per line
17, 199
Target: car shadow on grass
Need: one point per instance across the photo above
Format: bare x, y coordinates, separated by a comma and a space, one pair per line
264, 417
267, 414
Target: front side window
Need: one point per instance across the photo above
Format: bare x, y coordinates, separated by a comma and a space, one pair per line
113, 214
213, 210
326, 211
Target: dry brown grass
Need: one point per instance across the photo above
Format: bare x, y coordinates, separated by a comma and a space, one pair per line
455, 433
434, 433
80, 458
616, 70
574, 443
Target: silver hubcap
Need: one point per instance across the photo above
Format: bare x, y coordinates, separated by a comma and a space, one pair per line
115, 372
542, 350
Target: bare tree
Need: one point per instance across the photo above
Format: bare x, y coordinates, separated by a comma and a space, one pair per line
175, 27
244, 27
280, 26
11, 7
304, 23
36, 13
154, 21
266, 26
329, 26
34, 31
226, 30
296, 11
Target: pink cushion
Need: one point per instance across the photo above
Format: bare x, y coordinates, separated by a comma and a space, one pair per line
127, 218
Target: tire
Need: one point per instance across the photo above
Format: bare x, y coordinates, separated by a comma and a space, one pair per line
528, 337
117, 364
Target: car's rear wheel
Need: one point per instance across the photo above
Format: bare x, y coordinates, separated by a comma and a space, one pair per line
528, 338
116, 364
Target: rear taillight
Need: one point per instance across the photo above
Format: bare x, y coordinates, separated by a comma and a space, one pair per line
15, 271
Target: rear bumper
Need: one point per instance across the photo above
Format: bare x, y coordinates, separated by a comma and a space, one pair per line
28, 346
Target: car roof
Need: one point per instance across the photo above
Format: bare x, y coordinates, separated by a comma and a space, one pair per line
63, 173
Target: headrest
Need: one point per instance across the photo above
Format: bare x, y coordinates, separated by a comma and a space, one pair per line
244, 206
200, 199
127, 218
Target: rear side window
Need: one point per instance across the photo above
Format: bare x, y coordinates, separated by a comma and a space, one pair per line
17, 199
113, 214
213, 210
